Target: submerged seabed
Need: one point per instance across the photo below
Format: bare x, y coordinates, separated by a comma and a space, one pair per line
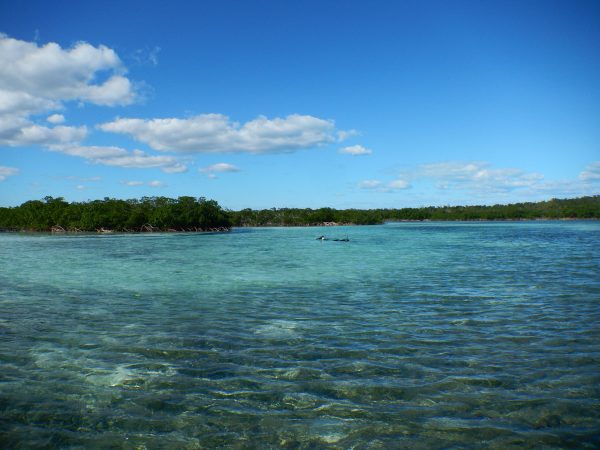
412, 335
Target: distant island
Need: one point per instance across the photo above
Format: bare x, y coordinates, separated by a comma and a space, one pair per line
200, 214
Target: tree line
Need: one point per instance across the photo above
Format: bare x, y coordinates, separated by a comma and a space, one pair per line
200, 214
109, 214
576, 208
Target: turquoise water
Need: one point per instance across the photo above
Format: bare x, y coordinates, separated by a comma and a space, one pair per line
411, 335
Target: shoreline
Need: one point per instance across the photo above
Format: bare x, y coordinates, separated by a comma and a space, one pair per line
272, 225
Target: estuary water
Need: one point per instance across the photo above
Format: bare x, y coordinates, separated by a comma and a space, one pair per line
410, 335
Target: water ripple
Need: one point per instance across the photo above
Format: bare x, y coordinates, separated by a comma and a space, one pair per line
409, 336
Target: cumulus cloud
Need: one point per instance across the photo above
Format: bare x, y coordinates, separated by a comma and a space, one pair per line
356, 150
21, 132
156, 183
216, 133
35, 79
52, 74
22, 104
591, 172
6, 172
120, 157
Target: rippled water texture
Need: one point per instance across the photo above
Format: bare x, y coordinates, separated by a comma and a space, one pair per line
411, 335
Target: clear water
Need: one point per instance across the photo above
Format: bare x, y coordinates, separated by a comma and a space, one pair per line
411, 335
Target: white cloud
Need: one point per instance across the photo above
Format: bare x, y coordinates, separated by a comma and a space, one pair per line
153, 183
137, 159
120, 157
56, 118
356, 150
398, 184
16, 132
216, 133
51, 73
379, 186
175, 168
6, 172
370, 184
22, 104
478, 176
591, 172
36, 79
342, 135
146, 56
211, 171
220, 167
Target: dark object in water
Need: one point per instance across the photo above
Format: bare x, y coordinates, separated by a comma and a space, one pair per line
323, 238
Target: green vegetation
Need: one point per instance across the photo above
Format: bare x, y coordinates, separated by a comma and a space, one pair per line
147, 214
191, 214
577, 208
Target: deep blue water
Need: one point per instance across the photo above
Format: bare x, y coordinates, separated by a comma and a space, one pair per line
411, 335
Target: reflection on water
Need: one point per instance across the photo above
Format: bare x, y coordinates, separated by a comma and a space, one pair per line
410, 335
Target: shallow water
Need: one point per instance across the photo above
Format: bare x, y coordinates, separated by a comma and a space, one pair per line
411, 335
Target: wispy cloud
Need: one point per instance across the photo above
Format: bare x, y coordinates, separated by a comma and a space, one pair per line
174, 168
342, 135
212, 170
153, 183
85, 179
146, 56
216, 133
477, 176
591, 173
6, 172
355, 150
380, 186
370, 184
398, 184
120, 157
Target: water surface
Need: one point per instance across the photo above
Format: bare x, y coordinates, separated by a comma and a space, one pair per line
411, 335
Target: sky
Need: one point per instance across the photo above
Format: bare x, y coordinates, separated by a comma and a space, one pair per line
260, 104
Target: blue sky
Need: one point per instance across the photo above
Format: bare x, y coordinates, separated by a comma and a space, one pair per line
300, 104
